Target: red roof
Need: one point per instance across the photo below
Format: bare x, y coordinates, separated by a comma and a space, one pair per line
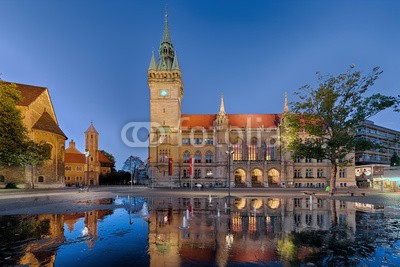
47, 123
103, 159
189, 121
75, 158
197, 120
254, 120
29, 93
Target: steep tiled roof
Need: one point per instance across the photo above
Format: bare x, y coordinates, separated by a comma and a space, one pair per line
75, 158
29, 93
197, 120
103, 159
91, 129
46, 123
189, 121
254, 120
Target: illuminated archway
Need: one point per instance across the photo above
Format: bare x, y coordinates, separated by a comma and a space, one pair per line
240, 203
256, 203
273, 203
240, 177
256, 176
273, 177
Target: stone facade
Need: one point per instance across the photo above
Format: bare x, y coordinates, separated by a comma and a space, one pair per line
86, 168
41, 122
237, 150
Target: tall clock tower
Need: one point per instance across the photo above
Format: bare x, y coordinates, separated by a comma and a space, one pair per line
166, 93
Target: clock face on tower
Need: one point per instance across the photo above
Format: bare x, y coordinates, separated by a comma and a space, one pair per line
164, 92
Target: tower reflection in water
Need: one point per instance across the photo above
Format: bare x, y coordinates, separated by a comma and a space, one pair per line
185, 231
251, 232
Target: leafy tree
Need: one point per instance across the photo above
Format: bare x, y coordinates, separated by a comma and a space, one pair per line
330, 114
34, 154
395, 160
12, 129
110, 157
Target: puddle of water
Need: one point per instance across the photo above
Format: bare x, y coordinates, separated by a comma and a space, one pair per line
206, 232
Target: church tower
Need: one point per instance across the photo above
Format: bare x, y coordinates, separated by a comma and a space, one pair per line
166, 93
92, 155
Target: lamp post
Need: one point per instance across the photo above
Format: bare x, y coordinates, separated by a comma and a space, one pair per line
130, 167
87, 167
229, 152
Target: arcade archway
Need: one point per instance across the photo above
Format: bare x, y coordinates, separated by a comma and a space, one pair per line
240, 177
273, 177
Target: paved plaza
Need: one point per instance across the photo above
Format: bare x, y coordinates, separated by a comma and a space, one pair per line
70, 200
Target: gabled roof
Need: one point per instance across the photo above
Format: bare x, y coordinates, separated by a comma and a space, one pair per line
103, 158
29, 93
47, 123
189, 121
75, 158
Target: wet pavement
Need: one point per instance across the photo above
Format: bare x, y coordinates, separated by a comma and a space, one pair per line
205, 229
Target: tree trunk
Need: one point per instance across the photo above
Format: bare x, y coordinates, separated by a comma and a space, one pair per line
332, 207
32, 177
332, 183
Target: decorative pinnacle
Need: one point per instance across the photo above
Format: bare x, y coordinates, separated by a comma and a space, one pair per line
222, 106
285, 105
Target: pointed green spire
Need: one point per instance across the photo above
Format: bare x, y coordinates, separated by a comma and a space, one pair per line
175, 64
166, 49
153, 63
166, 35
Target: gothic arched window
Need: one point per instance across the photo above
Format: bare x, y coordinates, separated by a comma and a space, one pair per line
186, 156
197, 157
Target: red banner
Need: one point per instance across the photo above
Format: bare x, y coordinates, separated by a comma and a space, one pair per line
191, 166
170, 162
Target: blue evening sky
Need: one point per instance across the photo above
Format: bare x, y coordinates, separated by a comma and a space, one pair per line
93, 55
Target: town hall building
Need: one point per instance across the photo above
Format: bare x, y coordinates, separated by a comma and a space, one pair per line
190, 149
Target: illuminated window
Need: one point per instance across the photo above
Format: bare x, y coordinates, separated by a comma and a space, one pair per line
252, 149
238, 152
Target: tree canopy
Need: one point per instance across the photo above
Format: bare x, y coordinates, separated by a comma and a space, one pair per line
395, 160
15, 146
323, 123
12, 130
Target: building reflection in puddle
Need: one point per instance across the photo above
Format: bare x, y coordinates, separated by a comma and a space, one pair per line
200, 231
249, 232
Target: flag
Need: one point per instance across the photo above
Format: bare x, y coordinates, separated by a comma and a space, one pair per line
170, 162
191, 166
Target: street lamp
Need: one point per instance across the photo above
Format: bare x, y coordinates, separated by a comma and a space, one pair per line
87, 167
229, 152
